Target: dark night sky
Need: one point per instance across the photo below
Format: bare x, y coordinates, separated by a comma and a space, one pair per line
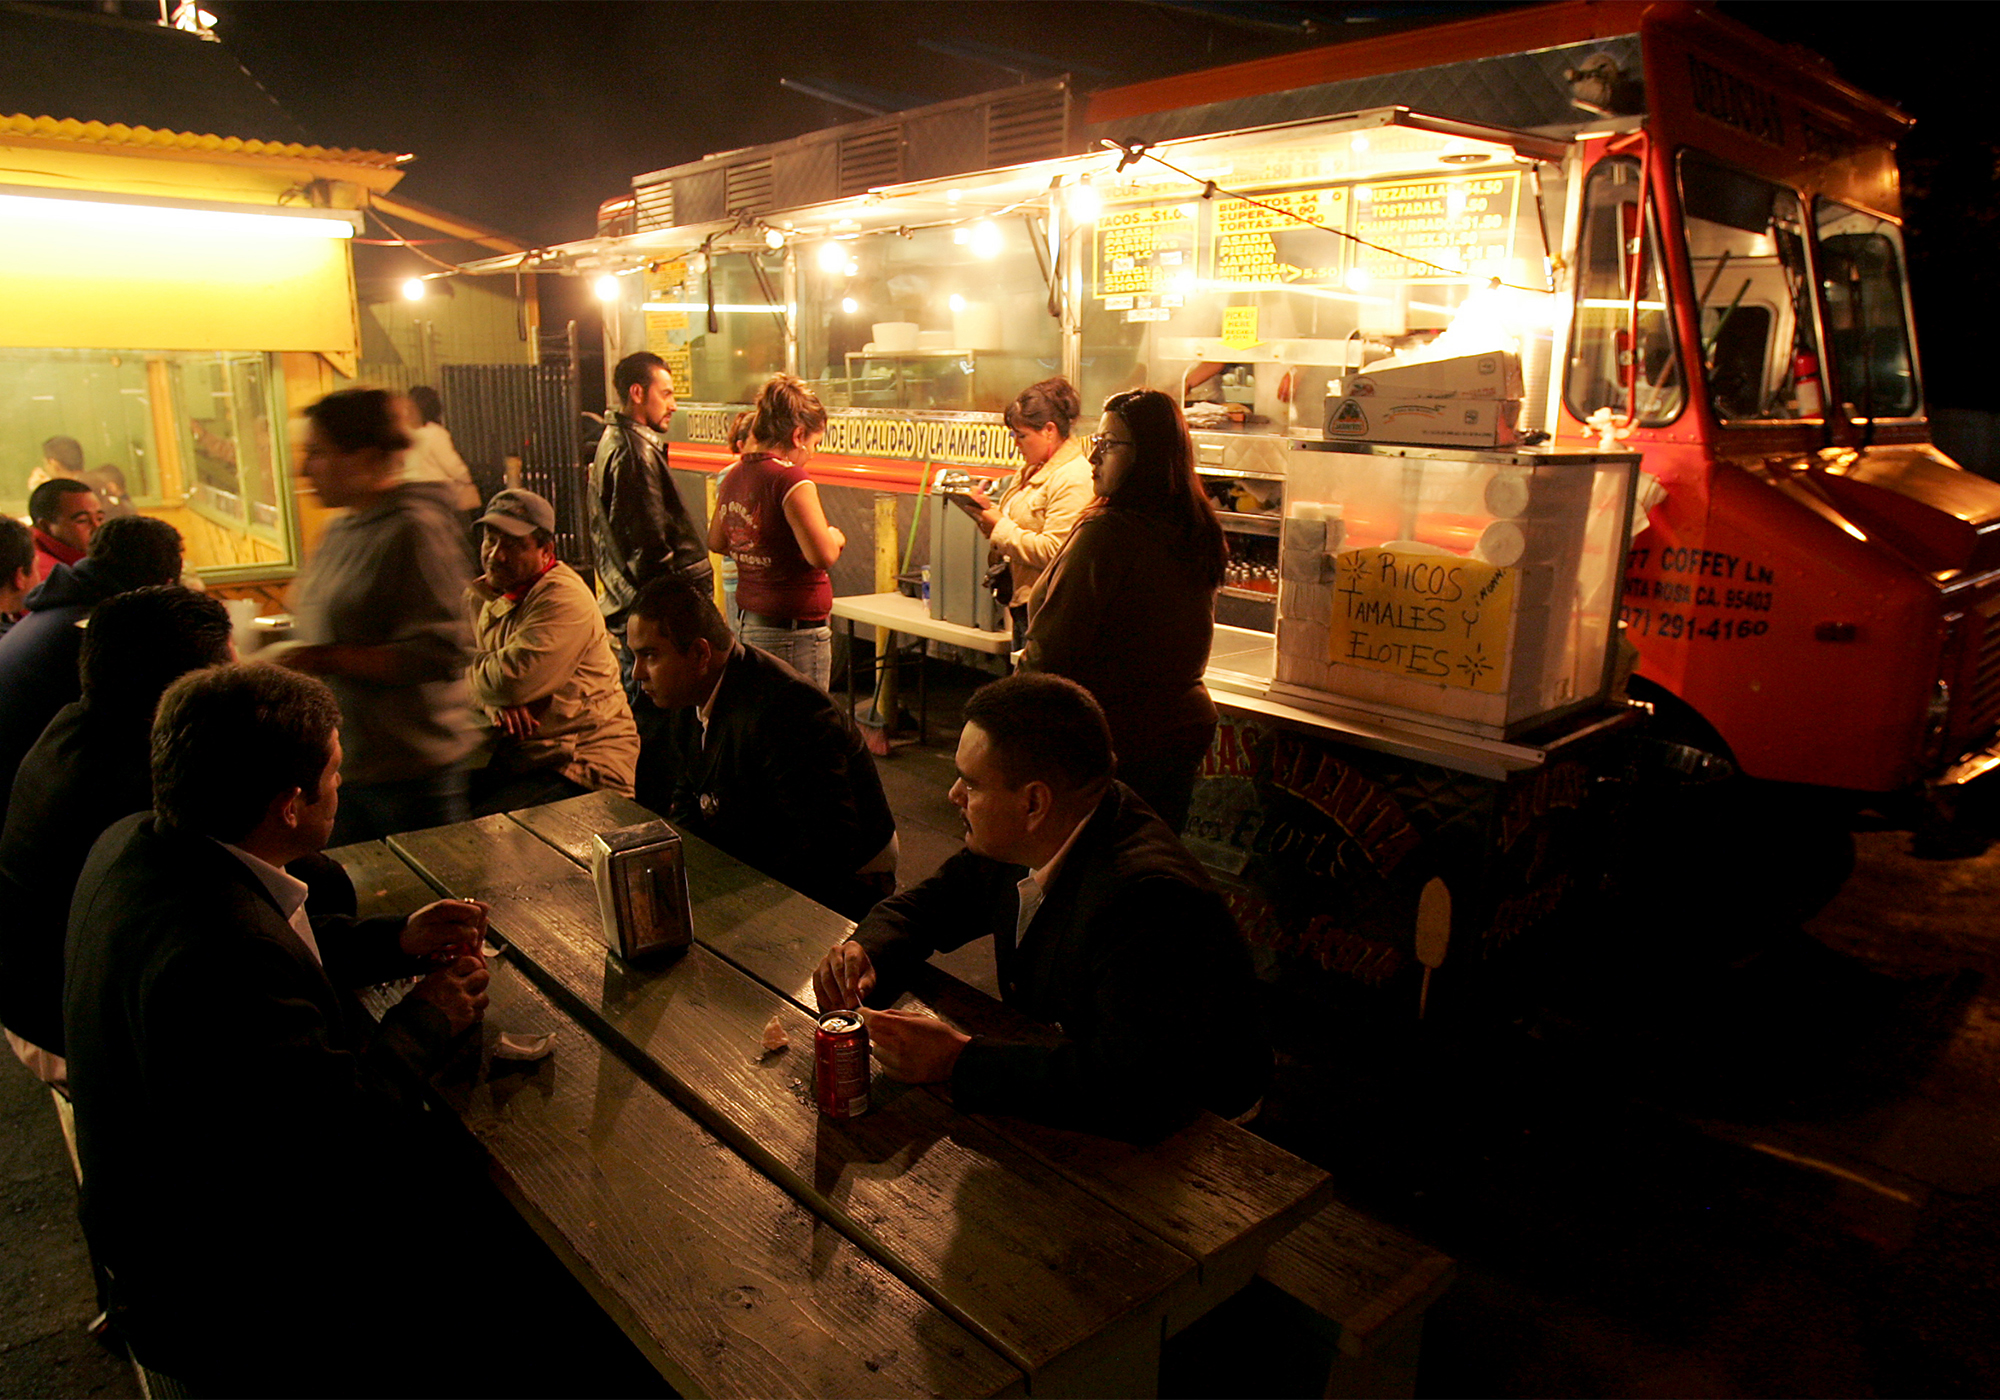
526, 115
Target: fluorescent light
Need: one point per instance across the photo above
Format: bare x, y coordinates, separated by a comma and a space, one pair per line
702, 306
183, 218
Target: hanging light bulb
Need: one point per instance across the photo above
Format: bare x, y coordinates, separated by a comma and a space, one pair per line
607, 288
413, 289
832, 257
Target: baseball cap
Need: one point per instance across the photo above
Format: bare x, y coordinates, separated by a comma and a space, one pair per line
518, 512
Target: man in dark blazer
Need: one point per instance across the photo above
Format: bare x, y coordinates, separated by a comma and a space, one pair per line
752, 756
1103, 926
259, 1178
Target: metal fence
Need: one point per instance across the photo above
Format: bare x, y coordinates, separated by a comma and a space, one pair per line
526, 418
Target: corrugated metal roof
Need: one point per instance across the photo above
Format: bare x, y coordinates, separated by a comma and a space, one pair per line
149, 138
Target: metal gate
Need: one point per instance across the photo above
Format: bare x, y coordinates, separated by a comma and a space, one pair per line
527, 418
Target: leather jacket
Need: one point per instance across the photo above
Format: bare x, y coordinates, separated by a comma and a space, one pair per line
639, 529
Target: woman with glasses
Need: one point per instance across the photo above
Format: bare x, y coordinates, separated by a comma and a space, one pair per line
1046, 498
768, 519
1127, 609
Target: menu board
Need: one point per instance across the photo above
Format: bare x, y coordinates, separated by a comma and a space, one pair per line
1140, 251
1255, 244
1462, 222
1431, 617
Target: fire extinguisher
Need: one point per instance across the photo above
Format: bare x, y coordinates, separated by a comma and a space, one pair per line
1805, 381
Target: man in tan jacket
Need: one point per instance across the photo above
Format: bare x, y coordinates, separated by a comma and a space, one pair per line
542, 668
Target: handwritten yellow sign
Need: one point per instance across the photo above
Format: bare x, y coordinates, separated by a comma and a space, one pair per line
1431, 617
1239, 327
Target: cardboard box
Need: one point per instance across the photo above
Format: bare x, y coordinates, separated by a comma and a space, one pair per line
1452, 422
1492, 376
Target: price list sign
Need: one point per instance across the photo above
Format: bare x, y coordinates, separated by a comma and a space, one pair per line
1140, 251
1462, 222
668, 332
1255, 244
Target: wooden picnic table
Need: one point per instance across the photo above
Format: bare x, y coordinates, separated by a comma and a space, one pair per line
750, 1246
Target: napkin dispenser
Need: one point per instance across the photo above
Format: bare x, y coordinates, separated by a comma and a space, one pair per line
642, 894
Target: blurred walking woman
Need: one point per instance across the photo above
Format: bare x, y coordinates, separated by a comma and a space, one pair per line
769, 520
1047, 496
379, 614
1127, 610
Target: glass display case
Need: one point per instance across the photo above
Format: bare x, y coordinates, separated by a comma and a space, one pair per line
1475, 591
976, 293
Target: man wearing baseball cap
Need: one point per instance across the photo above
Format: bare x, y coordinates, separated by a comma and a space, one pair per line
542, 668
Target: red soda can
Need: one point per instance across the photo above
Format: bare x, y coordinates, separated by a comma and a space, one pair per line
840, 1064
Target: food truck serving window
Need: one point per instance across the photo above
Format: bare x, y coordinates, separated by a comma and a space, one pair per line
1861, 286
1309, 259
746, 348
1619, 291
1747, 251
192, 437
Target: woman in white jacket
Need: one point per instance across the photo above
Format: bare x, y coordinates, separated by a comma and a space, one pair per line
1047, 496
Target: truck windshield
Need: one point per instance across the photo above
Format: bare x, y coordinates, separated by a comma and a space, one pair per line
1746, 248
1861, 286
1612, 260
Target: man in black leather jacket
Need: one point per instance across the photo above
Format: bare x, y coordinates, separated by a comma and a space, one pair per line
639, 528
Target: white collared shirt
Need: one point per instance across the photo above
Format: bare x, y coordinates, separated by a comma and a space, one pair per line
1035, 887
289, 893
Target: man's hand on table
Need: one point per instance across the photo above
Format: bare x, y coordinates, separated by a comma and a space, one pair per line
448, 928
459, 991
913, 1049
843, 978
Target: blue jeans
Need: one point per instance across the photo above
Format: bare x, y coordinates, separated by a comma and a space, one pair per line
807, 650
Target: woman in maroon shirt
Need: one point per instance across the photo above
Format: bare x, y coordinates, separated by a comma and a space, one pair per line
769, 520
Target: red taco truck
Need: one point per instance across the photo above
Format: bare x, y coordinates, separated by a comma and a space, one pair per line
1706, 230
1814, 584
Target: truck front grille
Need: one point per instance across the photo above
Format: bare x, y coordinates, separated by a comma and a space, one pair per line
1982, 702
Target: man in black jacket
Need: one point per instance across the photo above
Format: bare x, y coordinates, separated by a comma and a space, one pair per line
89, 768
752, 756
1103, 927
244, 1132
638, 525
38, 656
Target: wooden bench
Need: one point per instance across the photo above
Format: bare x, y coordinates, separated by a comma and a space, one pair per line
1368, 1285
